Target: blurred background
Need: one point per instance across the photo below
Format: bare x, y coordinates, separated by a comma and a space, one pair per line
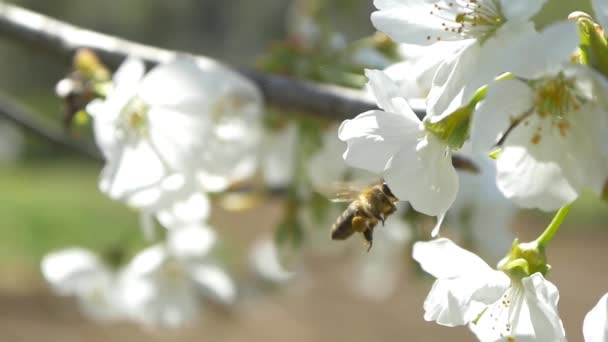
49, 200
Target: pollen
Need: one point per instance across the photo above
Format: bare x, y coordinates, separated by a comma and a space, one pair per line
556, 101
133, 122
478, 19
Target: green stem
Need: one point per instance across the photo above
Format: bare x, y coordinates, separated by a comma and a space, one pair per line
554, 226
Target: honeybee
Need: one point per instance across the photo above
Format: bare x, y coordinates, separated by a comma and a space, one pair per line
368, 207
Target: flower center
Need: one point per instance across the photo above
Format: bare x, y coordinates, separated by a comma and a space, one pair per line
477, 19
503, 315
133, 121
554, 99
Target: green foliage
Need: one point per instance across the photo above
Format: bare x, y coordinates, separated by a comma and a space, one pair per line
47, 206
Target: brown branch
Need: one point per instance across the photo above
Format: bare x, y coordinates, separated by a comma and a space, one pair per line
24, 117
61, 40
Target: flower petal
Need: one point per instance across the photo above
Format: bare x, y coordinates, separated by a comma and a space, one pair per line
72, 270
532, 182
520, 10
183, 209
215, 282
423, 174
505, 100
410, 21
541, 297
458, 301
595, 325
443, 259
374, 137
264, 258
546, 50
192, 242
136, 168
148, 261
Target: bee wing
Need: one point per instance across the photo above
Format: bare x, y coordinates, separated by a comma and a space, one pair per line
346, 191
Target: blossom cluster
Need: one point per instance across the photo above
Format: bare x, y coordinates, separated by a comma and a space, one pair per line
526, 108
495, 88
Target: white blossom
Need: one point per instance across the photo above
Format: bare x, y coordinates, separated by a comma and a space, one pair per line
595, 325
189, 117
416, 164
491, 35
163, 285
468, 291
80, 273
552, 128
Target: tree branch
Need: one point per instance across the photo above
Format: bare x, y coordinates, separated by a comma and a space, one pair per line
26, 119
61, 40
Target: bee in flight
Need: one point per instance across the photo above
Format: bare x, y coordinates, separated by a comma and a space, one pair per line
368, 207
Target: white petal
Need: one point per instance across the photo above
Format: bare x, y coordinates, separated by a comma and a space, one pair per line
532, 182
159, 301
476, 65
595, 325
264, 258
184, 209
102, 303
191, 242
148, 261
374, 137
127, 77
410, 21
177, 84
505, 100
444, 259
542, 297
449, 82
458, 301
545, 51
386, 92
520, 10
136, 168
177, 136
601, 12
423, 174
215, 282
73, 270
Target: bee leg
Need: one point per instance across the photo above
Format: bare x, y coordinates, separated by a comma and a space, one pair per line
369, 237
359, 222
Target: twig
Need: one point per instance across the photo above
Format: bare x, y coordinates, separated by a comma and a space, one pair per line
24, 117
61, 40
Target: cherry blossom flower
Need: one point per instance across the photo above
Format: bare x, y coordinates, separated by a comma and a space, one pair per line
552, 132
496, 307
190, 117
163, 285
595, 325
416, 164
490, 34
79, 272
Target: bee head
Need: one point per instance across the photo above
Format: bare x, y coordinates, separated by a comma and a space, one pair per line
388, 191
